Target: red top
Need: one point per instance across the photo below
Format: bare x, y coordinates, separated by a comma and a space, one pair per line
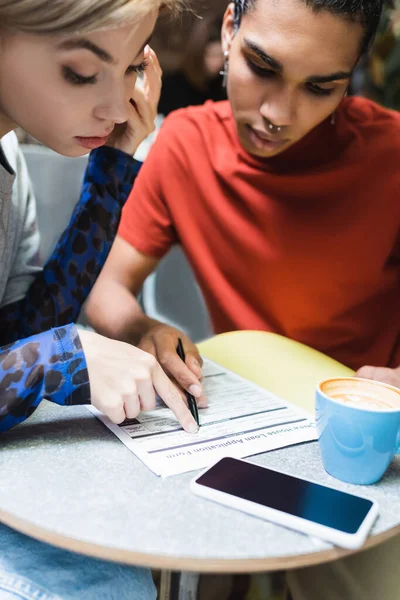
305, 244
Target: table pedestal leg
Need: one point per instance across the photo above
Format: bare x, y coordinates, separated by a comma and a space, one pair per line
179, 586
165, 585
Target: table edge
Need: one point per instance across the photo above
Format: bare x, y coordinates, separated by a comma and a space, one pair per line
199, 565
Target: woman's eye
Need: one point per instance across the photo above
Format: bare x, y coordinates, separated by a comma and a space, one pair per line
72, 77
138, 69
261, 71
319, 91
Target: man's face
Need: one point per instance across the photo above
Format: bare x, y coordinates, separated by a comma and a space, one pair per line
62, 89
288, 67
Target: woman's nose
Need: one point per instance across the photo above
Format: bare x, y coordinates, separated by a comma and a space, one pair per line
115, 107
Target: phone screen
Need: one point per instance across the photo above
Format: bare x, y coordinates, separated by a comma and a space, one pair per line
288, 494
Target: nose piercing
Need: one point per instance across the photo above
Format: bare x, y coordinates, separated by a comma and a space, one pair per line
273, 128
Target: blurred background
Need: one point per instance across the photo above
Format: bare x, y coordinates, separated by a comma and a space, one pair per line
378, 75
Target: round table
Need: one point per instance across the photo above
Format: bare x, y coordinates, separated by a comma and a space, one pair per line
69, 481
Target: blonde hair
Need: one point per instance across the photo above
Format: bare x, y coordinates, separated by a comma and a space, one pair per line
75, 16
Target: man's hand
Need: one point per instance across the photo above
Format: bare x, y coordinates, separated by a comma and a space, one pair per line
161, 341
383, 374
142, 109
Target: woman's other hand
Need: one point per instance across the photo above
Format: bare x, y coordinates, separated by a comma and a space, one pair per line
143, 109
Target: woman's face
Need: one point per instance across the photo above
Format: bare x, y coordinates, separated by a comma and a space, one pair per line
288, 66
64, 90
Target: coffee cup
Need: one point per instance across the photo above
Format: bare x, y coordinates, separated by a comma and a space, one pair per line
358, 425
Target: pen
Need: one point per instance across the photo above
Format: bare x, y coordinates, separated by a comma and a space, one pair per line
192, 404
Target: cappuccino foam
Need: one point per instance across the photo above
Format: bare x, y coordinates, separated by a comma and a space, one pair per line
366, 402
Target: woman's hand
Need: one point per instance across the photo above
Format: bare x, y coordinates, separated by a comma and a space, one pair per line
124, 381
143, 109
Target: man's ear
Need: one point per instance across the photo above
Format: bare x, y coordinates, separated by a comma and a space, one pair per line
228, 28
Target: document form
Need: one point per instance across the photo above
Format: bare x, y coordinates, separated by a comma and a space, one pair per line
242, 419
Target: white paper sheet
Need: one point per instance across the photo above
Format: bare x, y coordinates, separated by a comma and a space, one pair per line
242, 419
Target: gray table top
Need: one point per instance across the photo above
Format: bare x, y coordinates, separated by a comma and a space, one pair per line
68, 480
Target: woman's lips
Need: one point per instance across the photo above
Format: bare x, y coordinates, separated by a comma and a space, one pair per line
91, 142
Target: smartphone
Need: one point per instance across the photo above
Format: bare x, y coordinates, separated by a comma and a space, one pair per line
337, 517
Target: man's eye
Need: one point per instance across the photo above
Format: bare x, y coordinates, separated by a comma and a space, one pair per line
72, 77
319, 91
260, 71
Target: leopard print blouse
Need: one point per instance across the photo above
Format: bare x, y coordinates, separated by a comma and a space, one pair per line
41, 354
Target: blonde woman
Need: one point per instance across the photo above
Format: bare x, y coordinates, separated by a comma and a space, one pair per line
67, 76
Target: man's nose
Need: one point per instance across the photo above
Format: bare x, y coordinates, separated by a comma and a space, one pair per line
279, 108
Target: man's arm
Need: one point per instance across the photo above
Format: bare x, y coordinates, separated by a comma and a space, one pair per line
114, 311
112, 307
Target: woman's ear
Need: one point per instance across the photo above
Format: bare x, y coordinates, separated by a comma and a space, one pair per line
228, 28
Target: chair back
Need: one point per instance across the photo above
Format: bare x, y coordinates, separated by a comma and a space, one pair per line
172, 295
57, 182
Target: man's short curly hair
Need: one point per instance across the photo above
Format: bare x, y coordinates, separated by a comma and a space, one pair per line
366, 12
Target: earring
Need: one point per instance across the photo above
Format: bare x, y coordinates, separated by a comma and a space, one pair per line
224, 73
333, 118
